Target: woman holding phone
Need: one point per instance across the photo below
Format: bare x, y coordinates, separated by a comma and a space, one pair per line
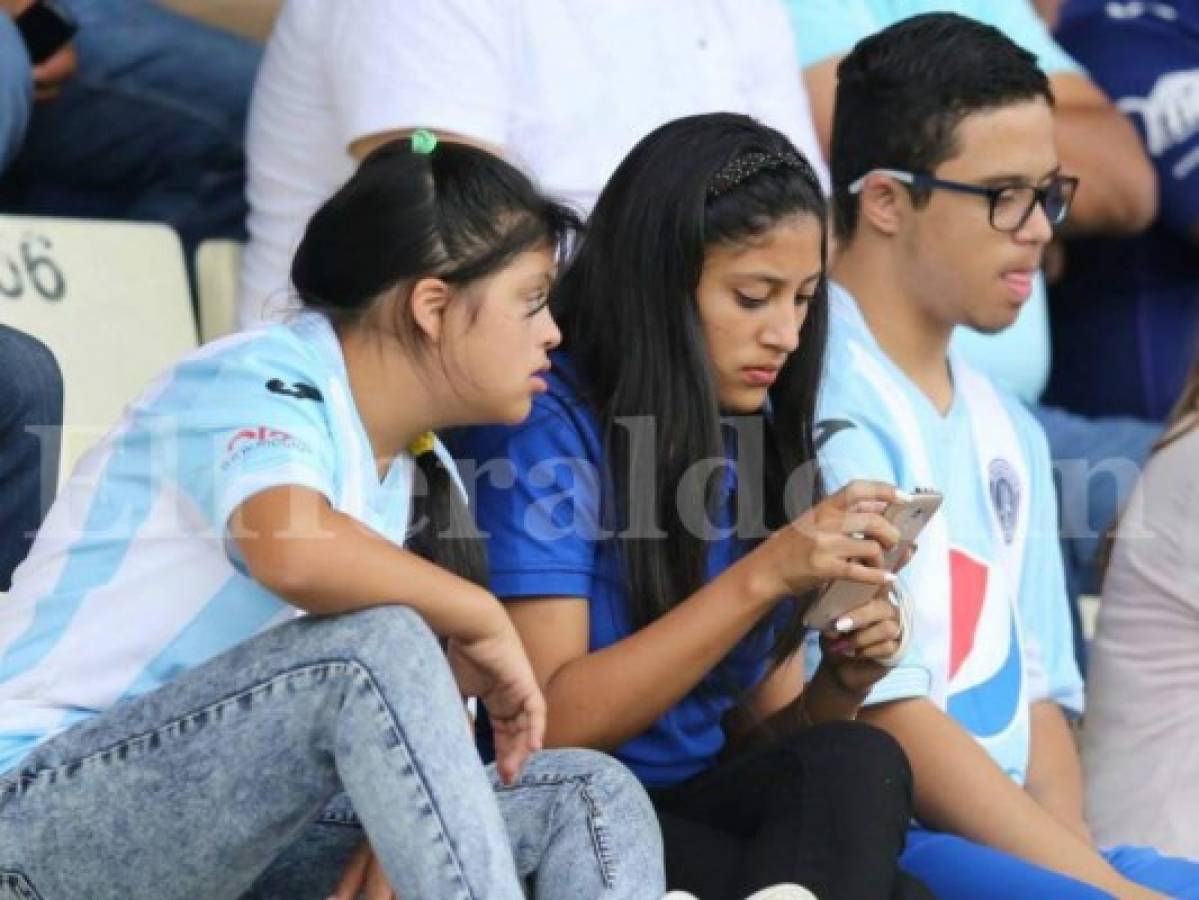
659, 528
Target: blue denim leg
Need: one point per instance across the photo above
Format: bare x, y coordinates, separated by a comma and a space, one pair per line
192, 790
1096, 463
151, 127
1172, 876
16, 91
954, 868
579, 823
30, 429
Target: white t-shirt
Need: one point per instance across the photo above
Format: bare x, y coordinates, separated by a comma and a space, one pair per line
1141, 732
564, 87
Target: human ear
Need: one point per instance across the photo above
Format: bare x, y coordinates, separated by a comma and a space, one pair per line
428, 301
881, 204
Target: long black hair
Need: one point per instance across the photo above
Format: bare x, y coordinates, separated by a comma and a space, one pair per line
456, 213
628, 311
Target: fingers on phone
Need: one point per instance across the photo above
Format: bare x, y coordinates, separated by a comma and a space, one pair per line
865, 491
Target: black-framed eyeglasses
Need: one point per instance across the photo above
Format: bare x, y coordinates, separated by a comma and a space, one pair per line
1011, 205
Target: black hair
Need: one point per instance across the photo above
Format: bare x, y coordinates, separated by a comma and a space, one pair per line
627, 307
901, 94
457, 213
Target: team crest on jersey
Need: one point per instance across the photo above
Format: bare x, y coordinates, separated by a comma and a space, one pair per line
1005, 496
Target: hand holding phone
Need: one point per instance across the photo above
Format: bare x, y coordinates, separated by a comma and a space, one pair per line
909, 517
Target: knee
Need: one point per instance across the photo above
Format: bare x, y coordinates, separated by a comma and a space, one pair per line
380, 637
611, 785
863, 749
854, 753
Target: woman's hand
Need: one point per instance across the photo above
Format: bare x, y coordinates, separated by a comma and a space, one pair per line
854, 645
493, 666
842, 537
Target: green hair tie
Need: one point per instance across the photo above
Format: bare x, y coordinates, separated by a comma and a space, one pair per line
423, 142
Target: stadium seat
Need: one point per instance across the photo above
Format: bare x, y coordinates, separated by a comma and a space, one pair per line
217, 265
110, 299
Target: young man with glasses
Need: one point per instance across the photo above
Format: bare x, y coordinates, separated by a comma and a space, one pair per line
947, 187
1098, 458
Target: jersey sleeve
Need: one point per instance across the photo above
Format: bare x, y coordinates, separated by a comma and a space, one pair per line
259, 421
536, 490
441, 64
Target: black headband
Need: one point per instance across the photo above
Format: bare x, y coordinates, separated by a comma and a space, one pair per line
739, 168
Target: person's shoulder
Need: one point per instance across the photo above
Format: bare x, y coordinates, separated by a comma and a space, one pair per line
259, 364
853, 363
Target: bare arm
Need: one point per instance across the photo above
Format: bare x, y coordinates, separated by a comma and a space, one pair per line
960, 790
781, 703
1054, 772
324, 562
603, 698
1118, 194
821, 81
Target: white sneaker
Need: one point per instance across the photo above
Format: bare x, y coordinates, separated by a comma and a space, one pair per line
783, 892
679, 895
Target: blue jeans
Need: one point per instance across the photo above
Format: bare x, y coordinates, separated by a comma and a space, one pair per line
30, 428
16, 91
260, 770
954, 867
151, 126
1096, 463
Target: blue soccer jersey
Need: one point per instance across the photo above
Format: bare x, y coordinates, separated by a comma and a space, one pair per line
987, 642
134, 578
537, 498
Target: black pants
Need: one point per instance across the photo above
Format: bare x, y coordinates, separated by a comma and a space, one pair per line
826, 807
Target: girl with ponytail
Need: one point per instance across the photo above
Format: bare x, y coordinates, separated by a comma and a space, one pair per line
171, 727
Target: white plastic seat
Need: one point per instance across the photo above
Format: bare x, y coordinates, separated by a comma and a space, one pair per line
110, 299
217, 266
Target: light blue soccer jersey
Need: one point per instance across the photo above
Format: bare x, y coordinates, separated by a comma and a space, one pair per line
134, 578
975, 652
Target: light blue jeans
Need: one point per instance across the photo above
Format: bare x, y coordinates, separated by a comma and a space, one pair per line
260, 771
